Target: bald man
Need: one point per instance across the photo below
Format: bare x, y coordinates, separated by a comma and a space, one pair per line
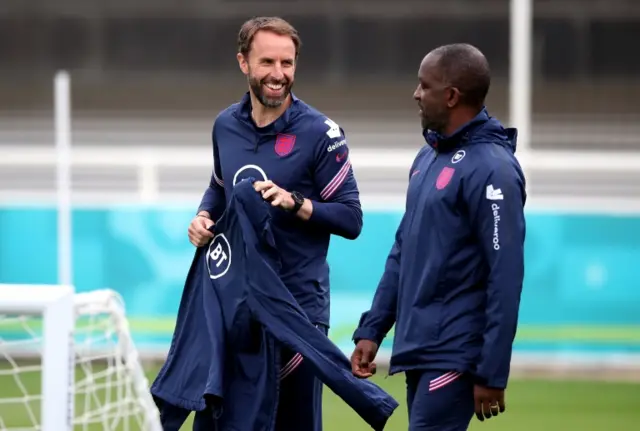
453, 279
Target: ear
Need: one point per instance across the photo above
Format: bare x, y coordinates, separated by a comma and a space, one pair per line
243, 63
453, 97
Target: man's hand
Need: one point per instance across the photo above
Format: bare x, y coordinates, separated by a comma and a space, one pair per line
277, 196
362, 364
489, 402
199, 233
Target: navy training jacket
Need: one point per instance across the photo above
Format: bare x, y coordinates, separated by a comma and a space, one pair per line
235, 315
304, 151
453, 279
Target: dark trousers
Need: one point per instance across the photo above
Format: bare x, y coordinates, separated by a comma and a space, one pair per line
439, 400
300, 402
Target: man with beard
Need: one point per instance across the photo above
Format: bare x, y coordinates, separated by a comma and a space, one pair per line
301, 161
453, 279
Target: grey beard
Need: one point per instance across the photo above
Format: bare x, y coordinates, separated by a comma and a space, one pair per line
256, 87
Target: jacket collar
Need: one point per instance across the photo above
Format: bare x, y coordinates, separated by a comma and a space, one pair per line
459, 137
243, 113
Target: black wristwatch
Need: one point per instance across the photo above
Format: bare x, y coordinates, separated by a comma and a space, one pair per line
298, 200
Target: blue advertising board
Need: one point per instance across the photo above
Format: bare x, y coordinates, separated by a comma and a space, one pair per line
581, 285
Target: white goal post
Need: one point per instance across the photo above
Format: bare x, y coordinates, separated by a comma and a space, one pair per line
67, 362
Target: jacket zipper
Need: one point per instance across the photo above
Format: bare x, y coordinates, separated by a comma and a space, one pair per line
426, 171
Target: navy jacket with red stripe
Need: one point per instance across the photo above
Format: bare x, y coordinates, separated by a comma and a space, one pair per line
453, 278
301, 151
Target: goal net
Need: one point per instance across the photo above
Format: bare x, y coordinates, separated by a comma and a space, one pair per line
67, 362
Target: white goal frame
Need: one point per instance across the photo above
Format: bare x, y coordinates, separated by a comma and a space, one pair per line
59, 307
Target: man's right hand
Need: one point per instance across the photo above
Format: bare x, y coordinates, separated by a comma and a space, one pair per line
199, 233
362, 364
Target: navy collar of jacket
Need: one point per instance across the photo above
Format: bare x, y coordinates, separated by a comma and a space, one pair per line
243, 113
459, 137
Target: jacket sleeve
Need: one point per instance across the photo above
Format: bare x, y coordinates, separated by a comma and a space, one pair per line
495, 198
378, 321
214, 201
338, 210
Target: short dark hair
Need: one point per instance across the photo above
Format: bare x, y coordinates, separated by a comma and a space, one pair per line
465, 67
273, 24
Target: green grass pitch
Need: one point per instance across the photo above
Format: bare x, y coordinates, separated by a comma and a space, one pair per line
532, 405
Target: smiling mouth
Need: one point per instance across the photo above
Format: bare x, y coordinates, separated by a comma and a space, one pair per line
274, 87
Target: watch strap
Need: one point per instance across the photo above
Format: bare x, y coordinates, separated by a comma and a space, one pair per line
298, 200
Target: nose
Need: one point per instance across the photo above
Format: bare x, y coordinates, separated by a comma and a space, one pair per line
416, 93
277, 73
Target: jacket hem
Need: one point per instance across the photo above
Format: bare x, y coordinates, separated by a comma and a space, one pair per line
443, 365
191, 405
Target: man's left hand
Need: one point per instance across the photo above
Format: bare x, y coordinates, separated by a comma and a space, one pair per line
272, 193
489, 402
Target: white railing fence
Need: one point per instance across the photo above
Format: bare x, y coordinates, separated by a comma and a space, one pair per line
370, 164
